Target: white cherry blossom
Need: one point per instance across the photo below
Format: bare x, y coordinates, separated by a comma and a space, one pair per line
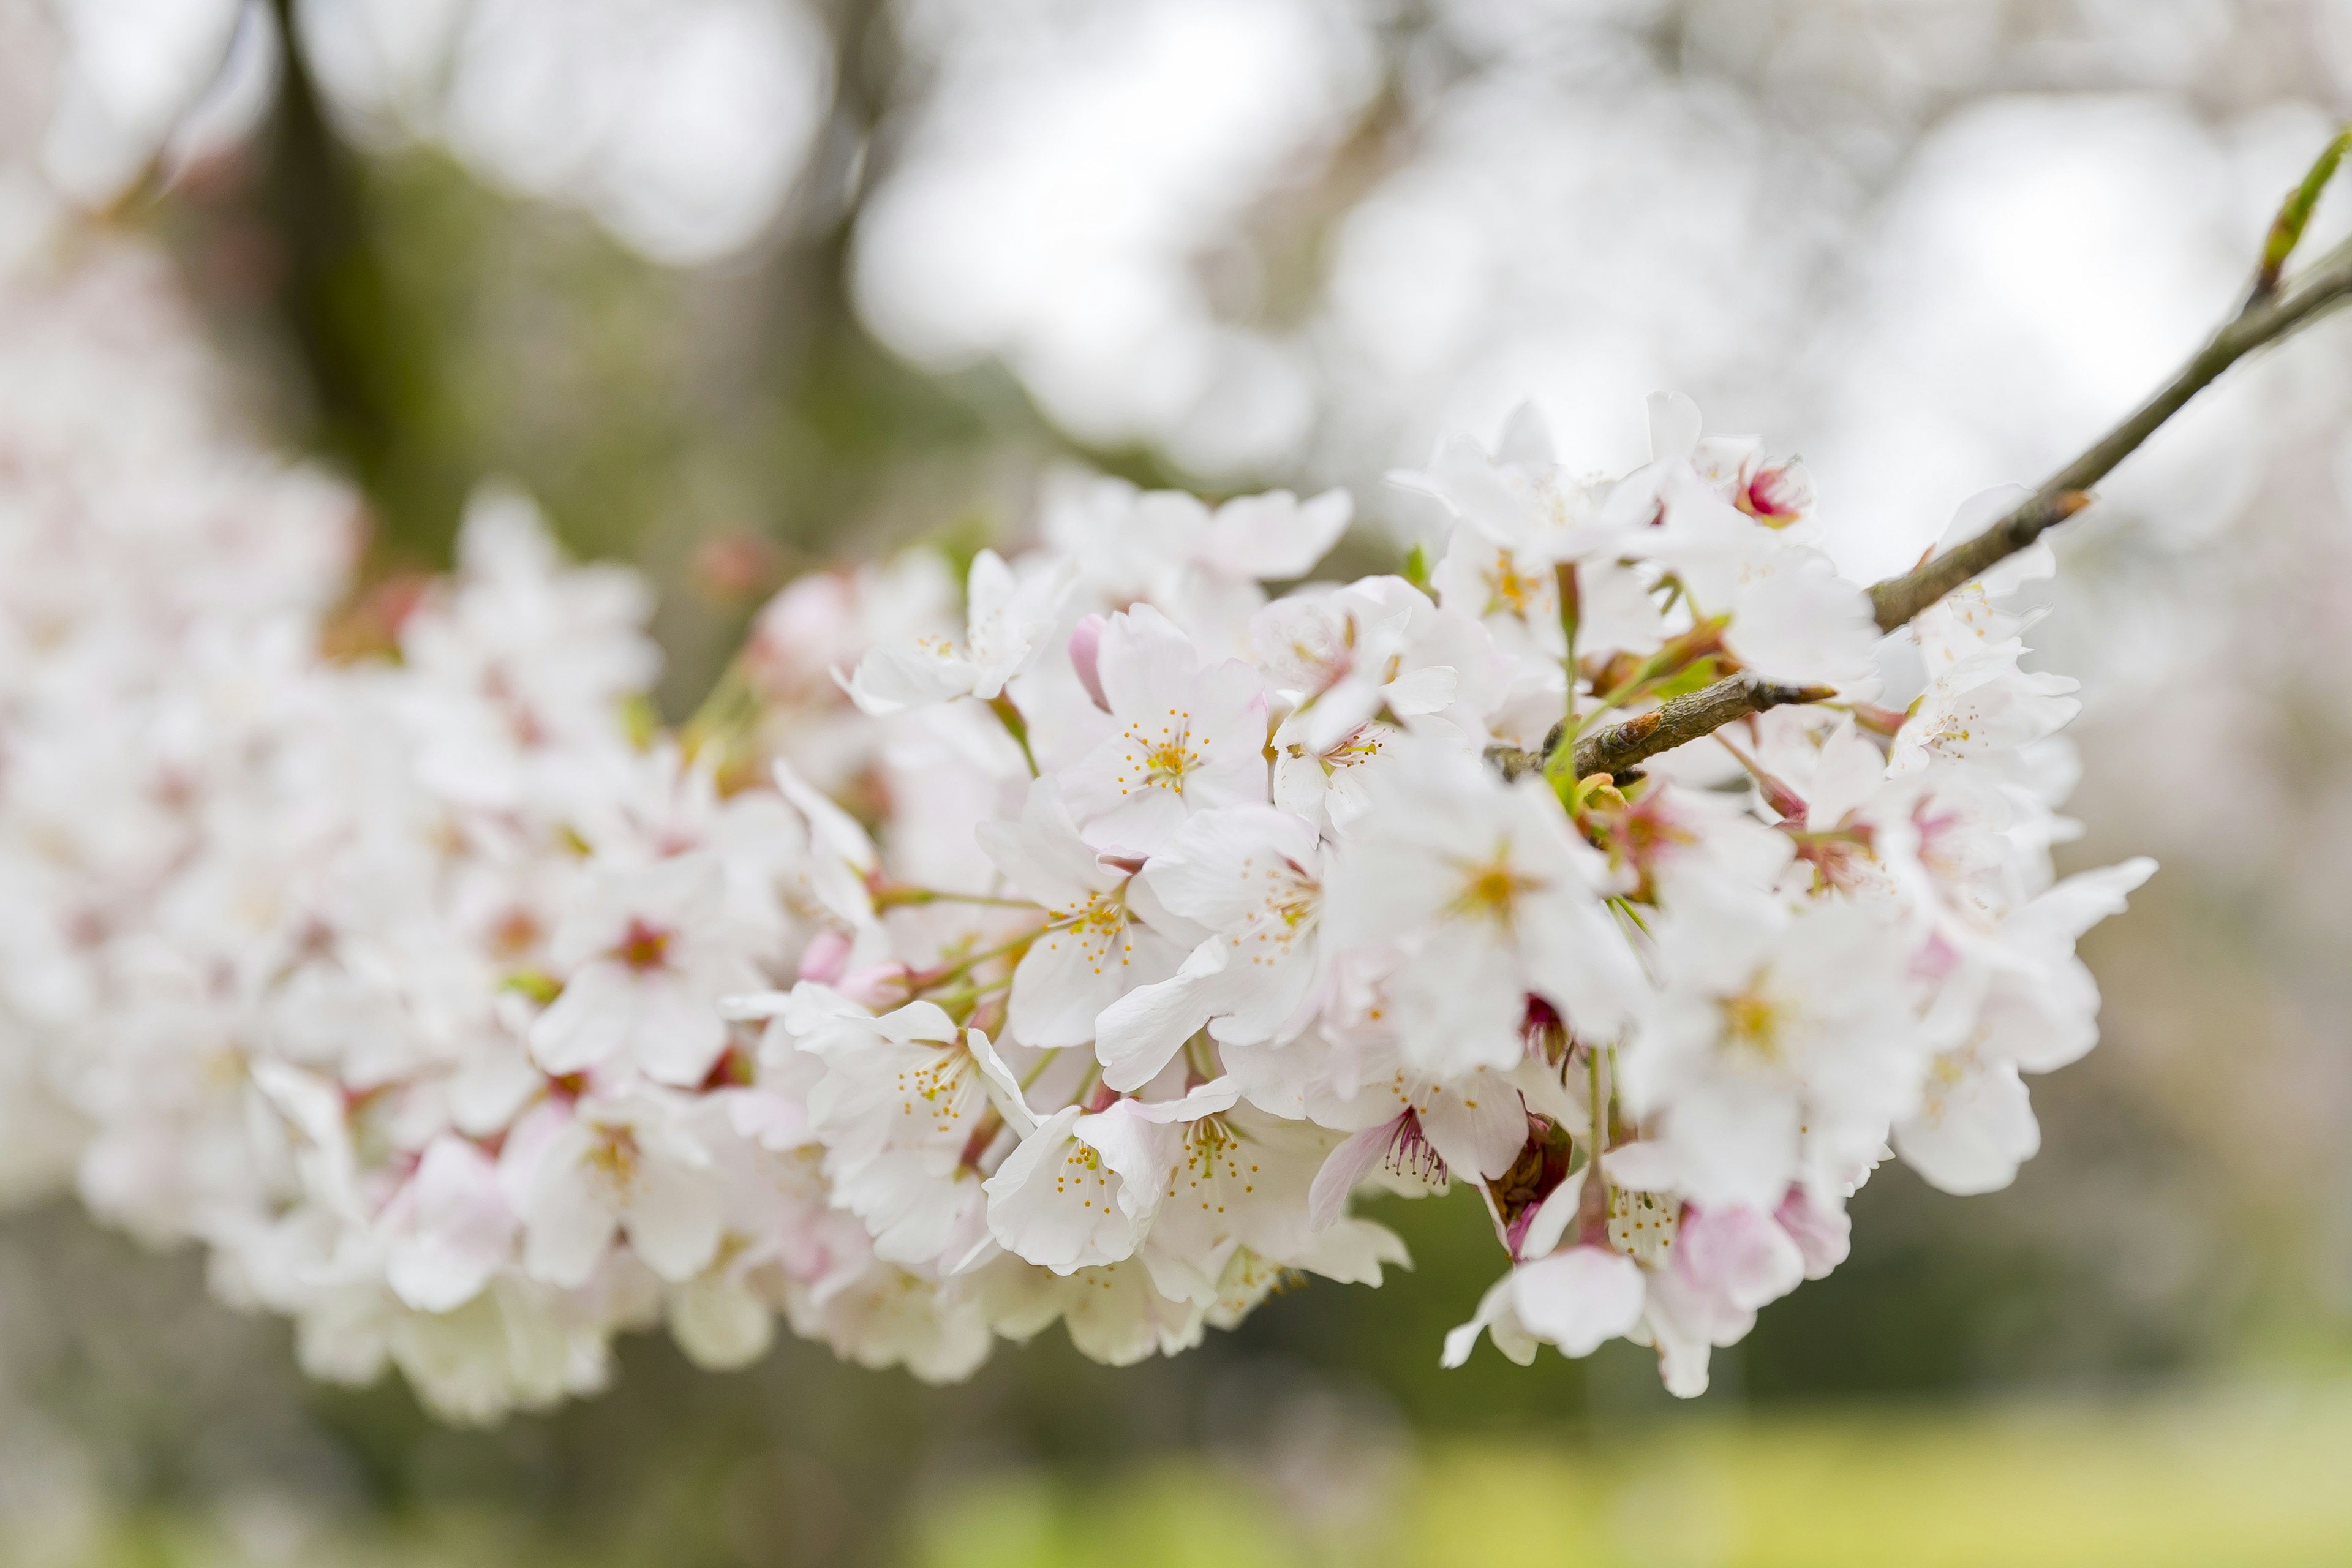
655, 948
1007, 621
1094, 946
1774, 1055
1190, 736
1083, 1186
1489, 898
1252, 875
586, 1175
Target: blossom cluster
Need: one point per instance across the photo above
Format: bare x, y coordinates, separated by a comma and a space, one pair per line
371, 942
1071, 942
1258, 922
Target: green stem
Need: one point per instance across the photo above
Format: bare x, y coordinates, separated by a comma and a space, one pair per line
931, 980
903, 896
1571, 607
1015, 726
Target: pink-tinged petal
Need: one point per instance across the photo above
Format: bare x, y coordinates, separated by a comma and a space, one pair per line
1345, 1166
1739, 1254
1552, 1218
1085, 648
544, 1130
826, 955
1686, 1324
874, 984
464, 1231
1823, 1234
1144, 664
1579, 1298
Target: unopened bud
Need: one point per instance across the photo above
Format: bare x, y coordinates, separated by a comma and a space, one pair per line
826, 955
1086, 649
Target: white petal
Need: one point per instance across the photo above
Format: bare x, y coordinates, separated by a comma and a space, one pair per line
568, 1229
1974, 1135
1345, 1166
673, 1219
1003, 1088
1579, 1298
1141, 1031
719, 1323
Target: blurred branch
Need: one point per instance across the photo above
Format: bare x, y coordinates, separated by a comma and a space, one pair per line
2270, 315
366, 376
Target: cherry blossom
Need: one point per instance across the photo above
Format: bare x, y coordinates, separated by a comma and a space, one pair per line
468, 1017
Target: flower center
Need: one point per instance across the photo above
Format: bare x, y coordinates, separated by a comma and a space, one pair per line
1491, 891
1755, 1021
1641, 1225
614, 1157
1161, 760
643, 946
1410, 1153
1510, 590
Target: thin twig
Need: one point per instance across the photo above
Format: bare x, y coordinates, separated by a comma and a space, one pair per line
2266, 319
1614, 749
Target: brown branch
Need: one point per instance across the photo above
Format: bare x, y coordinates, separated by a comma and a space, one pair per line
2267, 318
1616, 748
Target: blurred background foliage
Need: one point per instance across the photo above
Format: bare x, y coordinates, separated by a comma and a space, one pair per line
1935, 245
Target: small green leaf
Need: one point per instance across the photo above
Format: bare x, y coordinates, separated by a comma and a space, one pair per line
2286, 229
539, 985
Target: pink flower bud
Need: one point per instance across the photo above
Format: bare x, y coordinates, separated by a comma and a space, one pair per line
877, 985
825, 957
1086, 645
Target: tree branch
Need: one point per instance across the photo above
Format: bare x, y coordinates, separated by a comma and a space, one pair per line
1615, 747
2267, 319
2268, 316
